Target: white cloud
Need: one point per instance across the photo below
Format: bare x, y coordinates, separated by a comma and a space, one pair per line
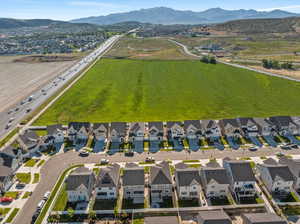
289, 8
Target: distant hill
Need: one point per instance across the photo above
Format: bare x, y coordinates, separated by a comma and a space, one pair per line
285, 25
163, 15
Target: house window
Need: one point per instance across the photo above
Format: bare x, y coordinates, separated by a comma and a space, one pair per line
138, 192
193, 193
183, 193
102, 194
111, 193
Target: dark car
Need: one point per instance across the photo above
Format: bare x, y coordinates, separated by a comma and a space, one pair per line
286, 147
83, 153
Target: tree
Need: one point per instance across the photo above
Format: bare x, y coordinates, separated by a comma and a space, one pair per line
205, 59
212, 60
275, 64
266, 64
71, 213
287, 65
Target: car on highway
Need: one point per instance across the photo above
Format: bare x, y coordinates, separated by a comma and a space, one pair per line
293, 146
28, 110
46, 195
6, 200
104, 161
149, 160
7, 126
83, 153
23, 102
30, 98
11, 119
17, 109
10, 111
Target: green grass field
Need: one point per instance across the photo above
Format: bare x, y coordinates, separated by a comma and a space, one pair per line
142, 90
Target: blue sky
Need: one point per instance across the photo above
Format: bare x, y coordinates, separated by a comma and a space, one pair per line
70, 9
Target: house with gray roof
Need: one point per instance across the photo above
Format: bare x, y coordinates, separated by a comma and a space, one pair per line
118, 133
56, 133
155, 135
160, 181
215, 182
262, 218
188, 183
80, 184
210, 129
78, 131
175, 133
30, 142
294, 166
136, 136
6, 178
285, 125
241, 178
213, 217
296, 120
265, 126
108, 183
193, 132
134, 184
277, 178
230, 128
100, 133
12, 157
248, 126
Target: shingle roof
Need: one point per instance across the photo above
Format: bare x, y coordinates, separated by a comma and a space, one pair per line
109, 176
194, 123
133, 176
10, 151
263, 218
294, 165
136, 126
81, 177
161, 220
103, 127
281, 171
241, 170
157, 124
185, 177
280, 121
54, 129
6, 160
170, 124
245, 121
160, 174
78, 125
206, 124
120, 127
215, 174
29, 138
213, 217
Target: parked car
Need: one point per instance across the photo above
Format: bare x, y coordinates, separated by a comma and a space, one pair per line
41, 205
104, 161
47, 195
6, 199
83, 153
35, 216
253, 149
285, 147
294, 146
10, 111
17, 109
129, 154
20, 185
150, 160
11, 119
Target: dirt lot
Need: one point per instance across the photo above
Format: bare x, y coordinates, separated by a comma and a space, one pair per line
19, 79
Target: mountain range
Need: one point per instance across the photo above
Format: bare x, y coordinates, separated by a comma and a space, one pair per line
163, 15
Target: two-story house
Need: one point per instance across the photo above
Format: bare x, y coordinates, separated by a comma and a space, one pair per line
213, 217
285, 126
160, 181
108, 183
215, 182
80, 185
134, 184
6, 177
212, 131
241, 178
78, 132
155, 135
117, 135
230, 128
262, 218
266, 129
136, 136
12, 157
56, 132
296, 120
249, 129
100, 133
193, 132
175, 133
277, 178
30, 142
188, 183
294, 166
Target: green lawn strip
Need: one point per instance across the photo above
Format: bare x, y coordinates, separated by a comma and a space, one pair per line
31, 163
191, 161
9, 136
96, 171
4, 211
245, 158
194, 165
40, 163
36, 178
138, 221
12, 215
53, 193
12, 194
150, 80
26, 195
147, 169
145, 163
24, 177
62, 199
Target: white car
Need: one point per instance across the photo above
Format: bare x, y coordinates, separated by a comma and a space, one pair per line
46, 195
104, 161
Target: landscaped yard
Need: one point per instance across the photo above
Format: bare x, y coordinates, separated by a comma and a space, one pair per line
105, 204
31, 162
24, 177
142, 90
12, 194
36, 178
62, 199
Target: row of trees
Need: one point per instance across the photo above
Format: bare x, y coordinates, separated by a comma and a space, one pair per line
273, 64
208, 59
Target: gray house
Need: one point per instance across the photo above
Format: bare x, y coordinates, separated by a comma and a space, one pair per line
296, 120
100, 133
160, 182
212, 131
6, 178
213, 217
156, 135
134, 184
108, 183
136, 136
230, 128
266, 129
262, 218
175, 133
55, 133
30, 142
294, 166
117, 135
193, 132
12, 157
250, 130
78, 132
284, 125
80, 184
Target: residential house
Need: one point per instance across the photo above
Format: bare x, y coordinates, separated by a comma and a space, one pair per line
213, 217
215, 182
78, 131
294, 166
193, 132
6, 178
12, 157
277, 178
80, 184
211, 129
56, 133
117, 134
29, 142
241, 178
160, 181
231, 129
175, 134
161, 220
156, 135
100, 133
296, 120
265, 126
136, 136
134, 184
248, 126
262, 218
187, 183
108, 182
285, 125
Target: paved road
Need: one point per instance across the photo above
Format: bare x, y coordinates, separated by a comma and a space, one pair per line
53, 168
186, 50
41, 95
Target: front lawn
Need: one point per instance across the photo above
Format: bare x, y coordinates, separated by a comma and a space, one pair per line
220, 201
12, 194
36, 178
31, 163
104, 204
140, 90
24, 177
26, 195
128, 204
